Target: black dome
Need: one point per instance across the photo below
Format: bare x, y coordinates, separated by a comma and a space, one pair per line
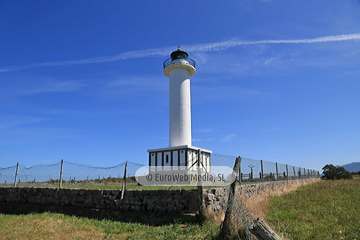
179, 54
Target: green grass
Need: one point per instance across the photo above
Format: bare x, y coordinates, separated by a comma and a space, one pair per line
323, 210
59, 226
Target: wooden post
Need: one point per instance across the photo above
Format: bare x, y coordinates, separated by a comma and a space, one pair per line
124, 183
287, 172
226, 224
61, 172
16, 174
262, 231
277, 171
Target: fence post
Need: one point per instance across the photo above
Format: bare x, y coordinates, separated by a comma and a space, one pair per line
294, 172
240, 174
277, 172
262, 170
287, 172
124, 183
16, 174
226, 227
61, 172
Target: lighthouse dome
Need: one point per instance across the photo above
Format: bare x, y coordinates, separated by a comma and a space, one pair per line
179, 54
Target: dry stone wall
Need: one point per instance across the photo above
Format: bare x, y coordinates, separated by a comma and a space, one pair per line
142, 201
134, 200
215, 199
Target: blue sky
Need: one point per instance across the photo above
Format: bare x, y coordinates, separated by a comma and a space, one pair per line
276, 80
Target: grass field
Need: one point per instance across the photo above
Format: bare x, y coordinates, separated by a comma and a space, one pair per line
60, 227
323, 210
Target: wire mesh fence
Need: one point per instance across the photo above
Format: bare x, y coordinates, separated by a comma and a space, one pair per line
69, 174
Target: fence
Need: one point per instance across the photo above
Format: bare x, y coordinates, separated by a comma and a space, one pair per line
252, 170
68, 174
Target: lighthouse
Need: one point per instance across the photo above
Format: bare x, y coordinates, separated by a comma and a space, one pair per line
179, 68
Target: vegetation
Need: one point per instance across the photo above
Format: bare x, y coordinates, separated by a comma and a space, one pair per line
59, 226
335, 173
323, 210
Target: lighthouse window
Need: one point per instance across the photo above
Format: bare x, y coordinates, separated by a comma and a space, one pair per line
167, 158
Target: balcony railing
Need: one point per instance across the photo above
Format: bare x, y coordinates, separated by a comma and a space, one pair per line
168, 61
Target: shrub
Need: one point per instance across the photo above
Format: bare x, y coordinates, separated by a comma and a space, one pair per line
335, 173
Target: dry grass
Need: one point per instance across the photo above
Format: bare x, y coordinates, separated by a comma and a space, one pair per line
258, 205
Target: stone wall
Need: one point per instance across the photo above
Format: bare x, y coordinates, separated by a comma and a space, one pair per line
145, 202
215, 199
134, 200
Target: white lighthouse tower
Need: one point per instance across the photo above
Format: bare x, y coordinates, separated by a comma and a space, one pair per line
179, 68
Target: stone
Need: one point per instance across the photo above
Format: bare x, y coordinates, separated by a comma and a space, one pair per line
170, 208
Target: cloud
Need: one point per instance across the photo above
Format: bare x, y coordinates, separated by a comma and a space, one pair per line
14, 121
270, 129
215, 92
196, 48
35, 87
203, 140
204, 130
227, 138
136, 84
53, 86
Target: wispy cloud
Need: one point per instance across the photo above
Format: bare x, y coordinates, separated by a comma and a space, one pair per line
227, 138
134, 84
203, 140
215, 92
204, 130
35, 87
15, 121
53, 86
203, 47
270, 129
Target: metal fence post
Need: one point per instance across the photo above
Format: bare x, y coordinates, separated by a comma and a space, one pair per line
61, 172
287, 172
262, 170
239, 174
16, 174
294, 172
277, 172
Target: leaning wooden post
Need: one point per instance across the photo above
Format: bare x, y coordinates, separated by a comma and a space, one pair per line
61, 172
16, 174
124, 183
226, 224
262, 231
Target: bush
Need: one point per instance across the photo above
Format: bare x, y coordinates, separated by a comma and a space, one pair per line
335, 173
